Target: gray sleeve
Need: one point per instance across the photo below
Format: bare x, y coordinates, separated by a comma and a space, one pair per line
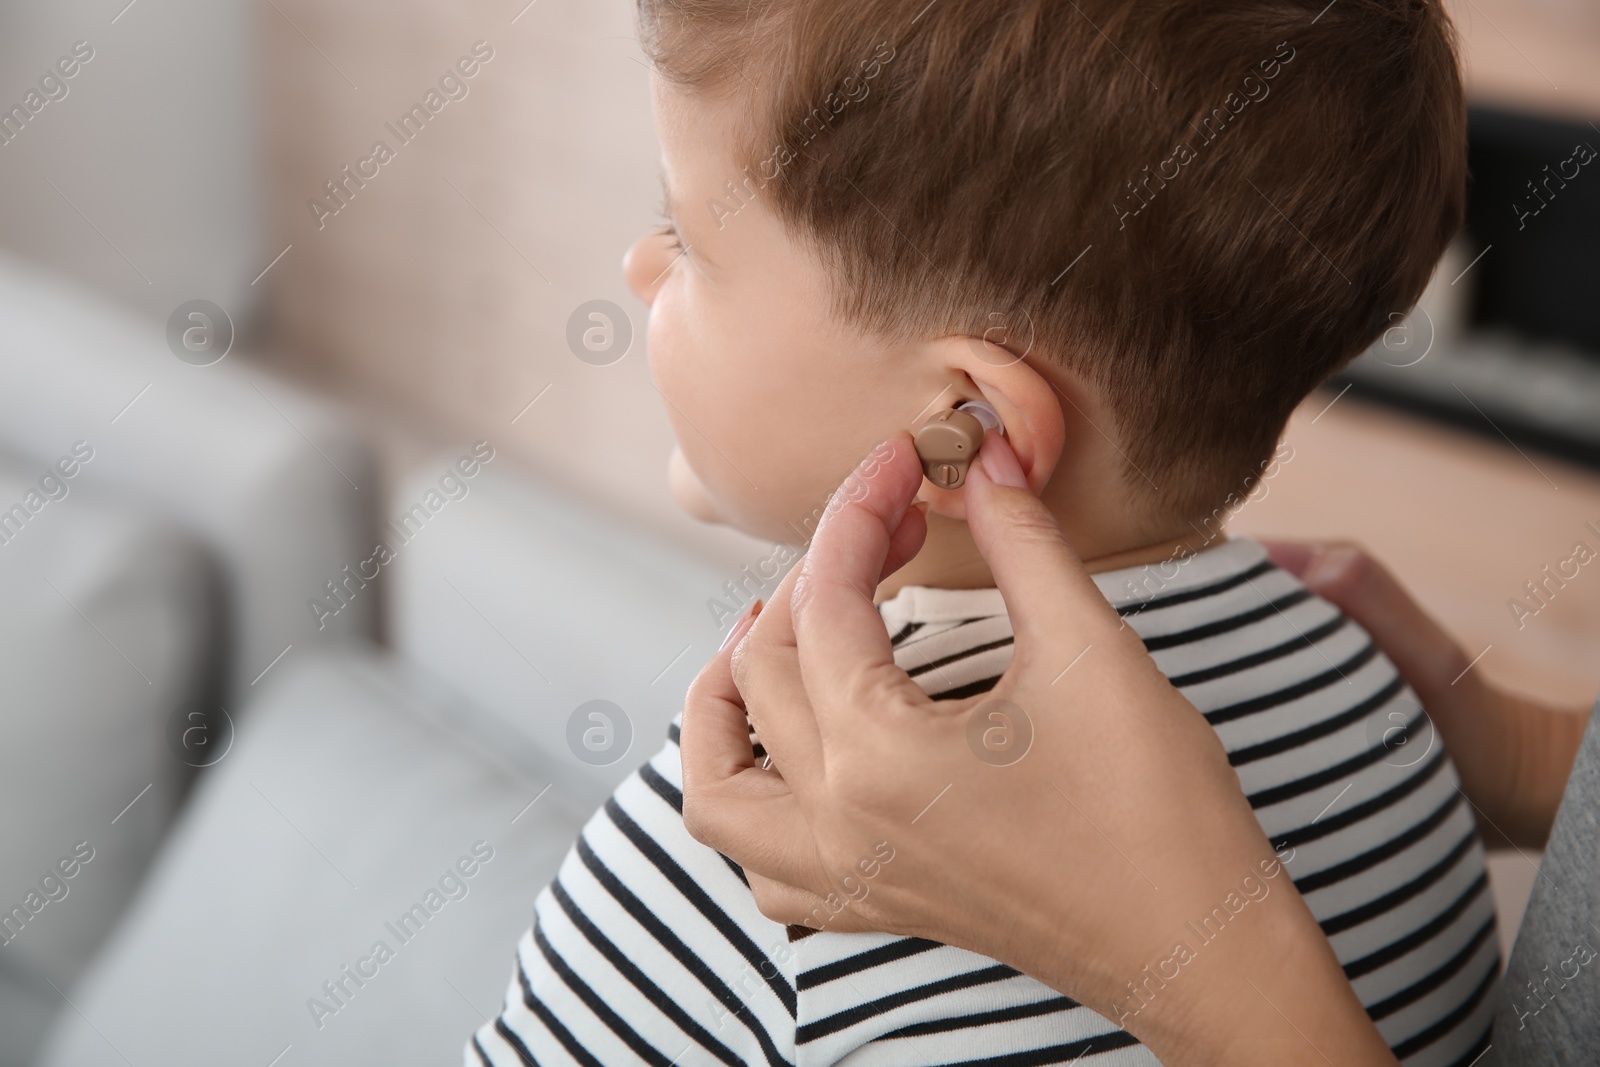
1549, 1011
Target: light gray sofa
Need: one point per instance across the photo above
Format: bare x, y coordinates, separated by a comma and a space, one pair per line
159, 525
177, 573
360, 776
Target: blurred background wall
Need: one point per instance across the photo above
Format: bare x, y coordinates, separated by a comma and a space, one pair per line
145, 180
184, 156
443, 289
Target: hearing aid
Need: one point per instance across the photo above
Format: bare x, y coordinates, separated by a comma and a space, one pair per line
949, 441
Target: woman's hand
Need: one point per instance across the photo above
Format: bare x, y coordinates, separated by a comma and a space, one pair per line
1513, 754
1080, 863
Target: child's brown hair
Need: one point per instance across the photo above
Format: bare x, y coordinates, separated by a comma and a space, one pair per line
1205, 207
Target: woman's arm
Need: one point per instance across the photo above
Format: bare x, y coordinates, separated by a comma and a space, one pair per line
1083, 863
1513, 754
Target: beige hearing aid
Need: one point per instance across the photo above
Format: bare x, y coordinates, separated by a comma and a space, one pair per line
950, 440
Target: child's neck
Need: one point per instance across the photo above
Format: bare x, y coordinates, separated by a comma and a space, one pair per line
950, 560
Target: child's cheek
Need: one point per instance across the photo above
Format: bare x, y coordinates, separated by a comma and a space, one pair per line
659, 340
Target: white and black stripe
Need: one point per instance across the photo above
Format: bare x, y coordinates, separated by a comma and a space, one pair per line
648, 947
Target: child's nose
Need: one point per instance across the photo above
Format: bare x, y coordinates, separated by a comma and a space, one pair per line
644, 265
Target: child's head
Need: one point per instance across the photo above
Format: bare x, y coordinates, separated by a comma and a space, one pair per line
1143, 229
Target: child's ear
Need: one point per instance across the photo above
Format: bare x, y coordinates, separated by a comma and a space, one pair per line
1029, 405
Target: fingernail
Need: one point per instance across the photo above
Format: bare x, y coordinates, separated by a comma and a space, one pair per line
1000, 463
741, 627
1328, 566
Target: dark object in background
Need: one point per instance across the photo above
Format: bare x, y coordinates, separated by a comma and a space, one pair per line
1535, 198
1527, 366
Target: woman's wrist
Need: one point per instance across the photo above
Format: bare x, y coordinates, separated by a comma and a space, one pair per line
1514, 755
1267, 991
1547, 742
1232, 967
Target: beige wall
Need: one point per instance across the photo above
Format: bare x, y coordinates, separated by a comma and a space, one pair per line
1539, 55
439, 296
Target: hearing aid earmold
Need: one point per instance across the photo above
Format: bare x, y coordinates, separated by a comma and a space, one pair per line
949, 441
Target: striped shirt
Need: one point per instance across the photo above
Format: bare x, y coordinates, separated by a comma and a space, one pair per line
648, 947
